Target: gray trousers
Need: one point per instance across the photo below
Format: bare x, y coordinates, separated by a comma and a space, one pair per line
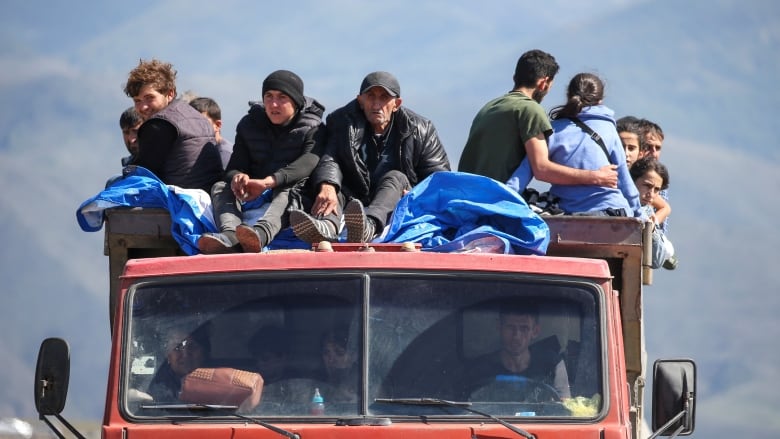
227, 210
380, 204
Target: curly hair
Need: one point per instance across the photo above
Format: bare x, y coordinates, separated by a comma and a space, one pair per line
160, 75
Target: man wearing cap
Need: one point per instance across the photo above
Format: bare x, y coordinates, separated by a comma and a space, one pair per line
278, 144
376, 150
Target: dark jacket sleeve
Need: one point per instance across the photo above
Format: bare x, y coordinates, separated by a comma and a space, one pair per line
239, 159
433, 156
155, 140
303, 166
328, 170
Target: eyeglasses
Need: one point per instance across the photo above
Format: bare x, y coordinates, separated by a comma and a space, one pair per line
186, 344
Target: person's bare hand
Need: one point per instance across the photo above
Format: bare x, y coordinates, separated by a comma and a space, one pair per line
607, 176
253, 189
326, 201
248, 189
238, 185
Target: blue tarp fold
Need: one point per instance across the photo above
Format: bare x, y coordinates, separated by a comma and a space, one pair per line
190, 209
457, 211
446, 212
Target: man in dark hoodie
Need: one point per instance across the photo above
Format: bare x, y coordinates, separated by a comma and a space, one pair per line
277, 146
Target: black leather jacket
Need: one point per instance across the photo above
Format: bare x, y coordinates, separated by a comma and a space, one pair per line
418, 150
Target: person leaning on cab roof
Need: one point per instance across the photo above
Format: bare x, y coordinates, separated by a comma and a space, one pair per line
175, 142
376, 150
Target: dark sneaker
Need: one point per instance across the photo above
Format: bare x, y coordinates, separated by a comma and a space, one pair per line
671, 263
252, 239
310, 229
359, 227
218, 243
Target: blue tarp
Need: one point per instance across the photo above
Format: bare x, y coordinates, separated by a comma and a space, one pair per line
446, 212
190, 209
457, 211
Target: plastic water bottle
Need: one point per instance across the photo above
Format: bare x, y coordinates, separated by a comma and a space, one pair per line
317, 403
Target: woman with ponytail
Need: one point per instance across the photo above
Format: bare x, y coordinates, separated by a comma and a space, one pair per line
585, 136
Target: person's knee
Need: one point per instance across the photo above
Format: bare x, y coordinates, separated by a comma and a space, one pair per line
218, 188
396, 179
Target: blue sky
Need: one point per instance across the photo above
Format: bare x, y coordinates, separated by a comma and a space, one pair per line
705, 70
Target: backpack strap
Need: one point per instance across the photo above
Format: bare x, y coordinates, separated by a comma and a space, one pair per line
593, 135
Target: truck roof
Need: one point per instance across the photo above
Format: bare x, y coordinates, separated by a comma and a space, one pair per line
366, 260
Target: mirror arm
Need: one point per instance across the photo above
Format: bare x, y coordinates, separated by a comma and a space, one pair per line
56, 429
670, 422
52, 427
70, 427
685, 412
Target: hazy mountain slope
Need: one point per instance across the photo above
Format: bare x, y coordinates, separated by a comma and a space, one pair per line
727, 246
43, 298
705, 70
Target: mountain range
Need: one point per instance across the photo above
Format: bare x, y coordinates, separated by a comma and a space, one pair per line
704, 70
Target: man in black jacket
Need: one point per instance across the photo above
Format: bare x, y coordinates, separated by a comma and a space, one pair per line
277, 147
376, 150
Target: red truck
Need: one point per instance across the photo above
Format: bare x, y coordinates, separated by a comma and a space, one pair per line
422, 340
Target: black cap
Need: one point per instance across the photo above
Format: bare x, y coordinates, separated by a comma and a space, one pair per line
381, 79
286, 82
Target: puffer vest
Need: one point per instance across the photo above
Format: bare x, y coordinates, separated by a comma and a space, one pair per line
194, 160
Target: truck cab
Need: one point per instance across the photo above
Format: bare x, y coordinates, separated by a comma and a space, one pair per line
381, 340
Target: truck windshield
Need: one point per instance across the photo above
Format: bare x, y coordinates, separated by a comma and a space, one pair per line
355, 344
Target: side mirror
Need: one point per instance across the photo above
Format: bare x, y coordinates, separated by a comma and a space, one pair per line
51, 376
674, 397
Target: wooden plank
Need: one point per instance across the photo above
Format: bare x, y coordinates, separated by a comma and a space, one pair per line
135, 233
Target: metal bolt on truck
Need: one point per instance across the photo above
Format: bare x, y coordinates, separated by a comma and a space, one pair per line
420, 332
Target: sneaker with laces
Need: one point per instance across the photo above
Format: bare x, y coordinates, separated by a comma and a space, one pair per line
218, 243
359, 227
310, 229
252, 239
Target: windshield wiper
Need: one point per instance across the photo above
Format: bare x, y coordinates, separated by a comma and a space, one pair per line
228, 410
459, 404
177, 406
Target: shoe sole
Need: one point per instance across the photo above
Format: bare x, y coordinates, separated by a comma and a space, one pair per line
354, 219
248, 239
209, 245
306, 230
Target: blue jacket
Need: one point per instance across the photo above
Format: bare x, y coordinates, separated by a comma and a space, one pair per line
570, 146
